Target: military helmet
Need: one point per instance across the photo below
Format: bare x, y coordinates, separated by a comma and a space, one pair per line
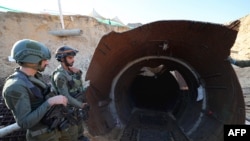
65, 51
30, 51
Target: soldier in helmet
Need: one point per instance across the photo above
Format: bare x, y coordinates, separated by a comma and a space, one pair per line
25, 93
67, 80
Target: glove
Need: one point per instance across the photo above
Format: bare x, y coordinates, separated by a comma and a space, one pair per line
231, 60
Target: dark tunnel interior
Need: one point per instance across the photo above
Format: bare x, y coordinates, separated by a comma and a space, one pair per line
172, 87
156, 93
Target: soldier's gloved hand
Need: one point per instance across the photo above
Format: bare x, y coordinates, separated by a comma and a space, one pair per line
56, 100
231, 60
75, 70
85, 105
86, 84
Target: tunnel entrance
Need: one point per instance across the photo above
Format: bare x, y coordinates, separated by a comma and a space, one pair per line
195, 51
159, 84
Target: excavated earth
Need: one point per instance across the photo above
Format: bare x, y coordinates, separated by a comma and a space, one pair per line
16, 26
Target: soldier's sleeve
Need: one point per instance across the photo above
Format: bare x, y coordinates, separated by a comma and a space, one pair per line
62, 87
18, 101
239, 63
242, 63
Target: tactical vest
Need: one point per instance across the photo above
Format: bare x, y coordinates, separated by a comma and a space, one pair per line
74, 81
36, 94
58, 116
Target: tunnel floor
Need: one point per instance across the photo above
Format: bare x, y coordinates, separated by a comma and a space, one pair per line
145, 125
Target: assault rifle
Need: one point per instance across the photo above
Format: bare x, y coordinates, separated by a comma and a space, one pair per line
59, 117
82, 113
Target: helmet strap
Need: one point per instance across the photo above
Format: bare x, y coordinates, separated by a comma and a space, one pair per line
31, 65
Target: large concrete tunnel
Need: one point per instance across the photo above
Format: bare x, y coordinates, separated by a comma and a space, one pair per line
170, 79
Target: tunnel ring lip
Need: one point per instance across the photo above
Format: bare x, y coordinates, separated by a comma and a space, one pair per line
191, 69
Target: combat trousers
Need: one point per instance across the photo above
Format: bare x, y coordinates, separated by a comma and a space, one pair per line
69, 134
80, 128
43, 135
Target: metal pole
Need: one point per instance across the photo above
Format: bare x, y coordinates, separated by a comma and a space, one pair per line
65, 32
61, 16
9, 129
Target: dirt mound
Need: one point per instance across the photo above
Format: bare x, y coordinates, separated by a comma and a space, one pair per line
241, 47
241, 50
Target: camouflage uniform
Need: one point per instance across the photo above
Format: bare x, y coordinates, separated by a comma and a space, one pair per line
70, 84
26, 94
27, 102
